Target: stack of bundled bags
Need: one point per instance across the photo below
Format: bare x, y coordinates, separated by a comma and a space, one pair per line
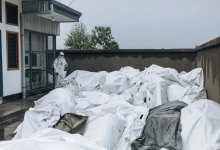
157, 108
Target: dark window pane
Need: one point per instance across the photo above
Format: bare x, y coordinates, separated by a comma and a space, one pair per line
12, 50
34, 59
26, 60
12, 14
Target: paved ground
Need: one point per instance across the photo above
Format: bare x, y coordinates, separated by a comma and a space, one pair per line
12, 114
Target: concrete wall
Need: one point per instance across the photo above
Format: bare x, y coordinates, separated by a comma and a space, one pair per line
110, 60
208, 57
11, 79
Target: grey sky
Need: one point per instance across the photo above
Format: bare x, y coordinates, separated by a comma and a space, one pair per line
138, 24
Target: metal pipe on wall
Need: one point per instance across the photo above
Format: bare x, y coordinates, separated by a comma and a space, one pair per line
23, 57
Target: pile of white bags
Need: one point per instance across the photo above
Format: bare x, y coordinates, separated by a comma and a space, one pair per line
117, 104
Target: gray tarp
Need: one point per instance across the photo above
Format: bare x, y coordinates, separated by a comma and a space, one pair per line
162, 128
72, 123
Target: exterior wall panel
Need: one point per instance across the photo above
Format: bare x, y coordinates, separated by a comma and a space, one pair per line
11, 79
208, 58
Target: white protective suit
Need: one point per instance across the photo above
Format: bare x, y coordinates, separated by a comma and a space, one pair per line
59, 66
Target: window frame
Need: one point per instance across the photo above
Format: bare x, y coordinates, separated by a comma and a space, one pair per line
11, 32
6, 20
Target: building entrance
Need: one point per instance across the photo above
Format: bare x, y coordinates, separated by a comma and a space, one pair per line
39, 55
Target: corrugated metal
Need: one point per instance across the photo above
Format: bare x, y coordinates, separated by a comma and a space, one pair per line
34, 6
39, 24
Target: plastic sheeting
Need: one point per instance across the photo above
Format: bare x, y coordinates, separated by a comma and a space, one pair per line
166, 84
51, 139
72, 123
62, 98
85, 80
127, 94
135, 121
102, 110
162, 128
105, 130
36, 120
200, 126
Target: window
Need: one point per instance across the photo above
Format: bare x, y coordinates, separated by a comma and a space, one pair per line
11, 14
12, 50
34, 59
26, 60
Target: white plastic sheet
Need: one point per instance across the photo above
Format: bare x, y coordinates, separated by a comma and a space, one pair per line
51, 139
85, 80
200, 126
105, 130
102, 110
88, 100
166, 84
135, 121
61, 97
36, 120
130, 70
116, 82
187, 95
195, 76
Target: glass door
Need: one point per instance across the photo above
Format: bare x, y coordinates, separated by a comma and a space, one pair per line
38, 61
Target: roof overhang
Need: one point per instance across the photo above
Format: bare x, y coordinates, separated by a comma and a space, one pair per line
52, 10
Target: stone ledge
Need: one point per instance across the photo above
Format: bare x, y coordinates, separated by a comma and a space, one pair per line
211, 43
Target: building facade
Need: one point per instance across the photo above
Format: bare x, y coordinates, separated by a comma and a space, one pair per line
28, 31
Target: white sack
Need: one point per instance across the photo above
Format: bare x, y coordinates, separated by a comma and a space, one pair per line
200, 126
145, 75
187, 95
135, 121
88, 100
116, 82
51, 139
195, 76
116, 98
143, 96
85, 80
105, 131
130, 70
36, 120
63, 99
158, 87
130, 92
101, 110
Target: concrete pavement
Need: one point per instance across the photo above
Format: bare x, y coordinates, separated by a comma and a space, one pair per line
12, 114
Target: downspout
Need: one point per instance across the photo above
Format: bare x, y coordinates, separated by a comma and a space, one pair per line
23, 57
23, 47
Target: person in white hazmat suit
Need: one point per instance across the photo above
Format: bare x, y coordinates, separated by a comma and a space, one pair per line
59, 68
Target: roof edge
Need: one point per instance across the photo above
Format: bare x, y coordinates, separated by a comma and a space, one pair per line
211, 43
131, 51
64, 7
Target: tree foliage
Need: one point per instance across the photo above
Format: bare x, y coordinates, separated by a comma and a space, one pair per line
78, 38
102, 38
